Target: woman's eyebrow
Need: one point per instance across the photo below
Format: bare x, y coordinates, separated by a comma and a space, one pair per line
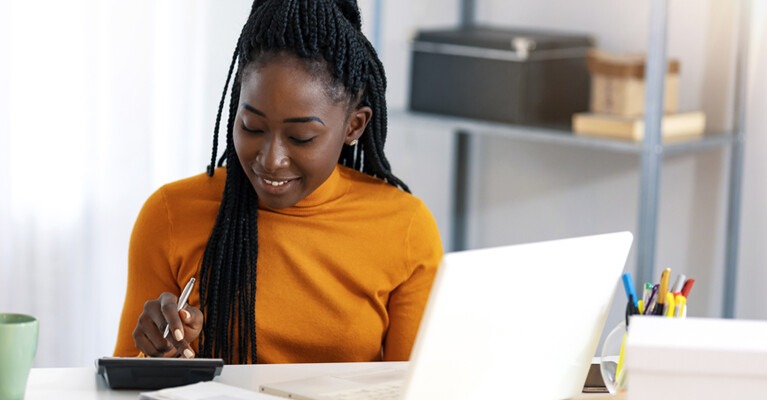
296, 119
304, 119
252, 109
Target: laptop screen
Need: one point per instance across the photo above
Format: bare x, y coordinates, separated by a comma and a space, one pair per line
522, 320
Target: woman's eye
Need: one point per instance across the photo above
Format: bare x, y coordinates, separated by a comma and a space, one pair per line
246, 129
301, 141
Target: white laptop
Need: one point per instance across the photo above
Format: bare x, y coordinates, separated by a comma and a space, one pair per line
517, 321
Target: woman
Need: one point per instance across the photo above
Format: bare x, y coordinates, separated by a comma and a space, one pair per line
306, 247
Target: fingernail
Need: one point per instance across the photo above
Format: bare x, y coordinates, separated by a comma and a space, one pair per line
178, 334
186, 314
188, 353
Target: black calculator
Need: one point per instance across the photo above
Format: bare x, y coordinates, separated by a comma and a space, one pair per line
156, 373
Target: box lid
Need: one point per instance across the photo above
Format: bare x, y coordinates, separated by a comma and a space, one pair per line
526, 42
601, 62
701, 346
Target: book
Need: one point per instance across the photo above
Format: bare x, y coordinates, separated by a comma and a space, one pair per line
690, 125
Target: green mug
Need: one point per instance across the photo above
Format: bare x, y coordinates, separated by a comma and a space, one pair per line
18, 345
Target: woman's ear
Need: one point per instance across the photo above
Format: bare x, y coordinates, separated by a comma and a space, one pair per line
358, 121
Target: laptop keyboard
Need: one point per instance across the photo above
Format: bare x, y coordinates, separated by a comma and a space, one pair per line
383, 391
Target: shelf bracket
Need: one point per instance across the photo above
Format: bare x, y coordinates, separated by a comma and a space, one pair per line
652, 150
736, 163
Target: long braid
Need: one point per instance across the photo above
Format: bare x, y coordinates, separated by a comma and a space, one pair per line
212, 165
326, 34
250, 306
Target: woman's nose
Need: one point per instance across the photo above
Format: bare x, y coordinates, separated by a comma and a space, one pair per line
274, 155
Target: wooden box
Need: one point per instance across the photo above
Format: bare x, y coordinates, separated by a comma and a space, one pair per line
618, 86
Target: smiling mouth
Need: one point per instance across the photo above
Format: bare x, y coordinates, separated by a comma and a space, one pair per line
276, 183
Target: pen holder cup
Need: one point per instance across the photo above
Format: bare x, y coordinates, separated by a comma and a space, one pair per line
612, 363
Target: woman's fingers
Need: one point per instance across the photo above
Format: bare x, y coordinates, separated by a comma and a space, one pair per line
169, 309
147, 347
147, 335
191, 317
183, 327
185, 350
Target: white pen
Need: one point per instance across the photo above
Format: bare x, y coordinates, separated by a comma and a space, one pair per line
181, 302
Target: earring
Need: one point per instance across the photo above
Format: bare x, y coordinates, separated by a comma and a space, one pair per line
353, 142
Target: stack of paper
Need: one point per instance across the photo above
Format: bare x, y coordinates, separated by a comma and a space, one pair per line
204, 391
696, 359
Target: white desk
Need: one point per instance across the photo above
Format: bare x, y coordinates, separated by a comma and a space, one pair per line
84, 384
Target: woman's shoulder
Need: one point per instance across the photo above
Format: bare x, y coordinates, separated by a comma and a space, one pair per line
377, 189
187, 206
188, 195
199, 186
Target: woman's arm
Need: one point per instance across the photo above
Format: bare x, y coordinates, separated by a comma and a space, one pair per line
407, 301
149, 270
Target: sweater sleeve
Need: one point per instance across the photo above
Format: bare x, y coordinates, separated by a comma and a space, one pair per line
407, 301
150, 272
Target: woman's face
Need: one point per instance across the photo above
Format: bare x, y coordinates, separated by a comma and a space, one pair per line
289, 131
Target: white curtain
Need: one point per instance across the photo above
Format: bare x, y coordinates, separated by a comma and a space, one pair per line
101, 102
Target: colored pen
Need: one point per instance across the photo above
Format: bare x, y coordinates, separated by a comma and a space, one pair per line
631, 309
680, 303
619, 367
650, 306
669, 305
646, 292
641, 307
680, 279
687, 287
181, 302
662, 291
628, 285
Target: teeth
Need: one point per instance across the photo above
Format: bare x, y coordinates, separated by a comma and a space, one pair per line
275, 183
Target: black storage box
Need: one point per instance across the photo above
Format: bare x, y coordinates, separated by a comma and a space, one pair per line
516, 76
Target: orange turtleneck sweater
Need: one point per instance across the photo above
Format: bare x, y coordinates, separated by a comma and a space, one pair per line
342, 275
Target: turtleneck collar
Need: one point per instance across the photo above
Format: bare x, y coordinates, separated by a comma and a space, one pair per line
332, 189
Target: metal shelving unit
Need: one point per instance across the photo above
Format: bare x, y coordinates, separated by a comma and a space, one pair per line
736, 162
710, 140
651, 150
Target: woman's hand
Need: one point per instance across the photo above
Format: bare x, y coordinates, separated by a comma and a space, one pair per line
185, 326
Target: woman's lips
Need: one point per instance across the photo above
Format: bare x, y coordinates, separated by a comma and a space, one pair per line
277, 186
275, 183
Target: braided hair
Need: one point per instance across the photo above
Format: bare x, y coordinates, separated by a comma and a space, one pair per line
325, 33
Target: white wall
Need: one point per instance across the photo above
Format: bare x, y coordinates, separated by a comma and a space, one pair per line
421, 157
526, 191
752, 278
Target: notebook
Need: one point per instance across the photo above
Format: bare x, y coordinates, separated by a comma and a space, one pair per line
517, 321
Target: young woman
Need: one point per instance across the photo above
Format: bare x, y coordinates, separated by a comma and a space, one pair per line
306, 248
